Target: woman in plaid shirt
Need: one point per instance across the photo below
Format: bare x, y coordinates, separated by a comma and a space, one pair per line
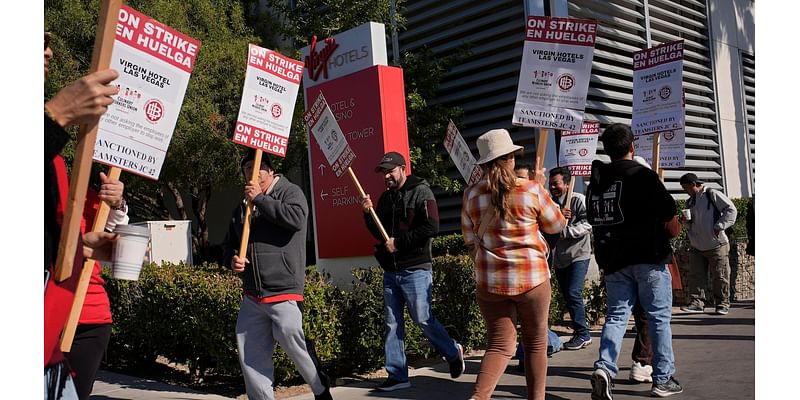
511, 272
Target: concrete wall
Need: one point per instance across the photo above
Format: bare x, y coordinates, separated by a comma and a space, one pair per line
732, 25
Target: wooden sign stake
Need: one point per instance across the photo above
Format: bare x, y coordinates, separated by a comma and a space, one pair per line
99, 225
371, 210
248, 210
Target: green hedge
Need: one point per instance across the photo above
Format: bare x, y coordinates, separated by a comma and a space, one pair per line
188, 314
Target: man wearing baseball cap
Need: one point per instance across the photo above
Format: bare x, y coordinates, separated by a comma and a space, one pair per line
410, 216
710, 213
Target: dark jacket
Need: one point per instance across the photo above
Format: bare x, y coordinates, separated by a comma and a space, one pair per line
277, 243
411, 217
628, 206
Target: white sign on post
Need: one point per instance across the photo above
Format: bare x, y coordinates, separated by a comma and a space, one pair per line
672, 151
154, 63
329, 136
657, 89
554, 78
270, 91
462, 157
578, 149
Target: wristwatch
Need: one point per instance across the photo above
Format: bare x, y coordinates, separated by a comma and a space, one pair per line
120, 207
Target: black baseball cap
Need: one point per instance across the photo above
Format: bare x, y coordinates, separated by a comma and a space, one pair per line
390, 160
251, 156
690, 178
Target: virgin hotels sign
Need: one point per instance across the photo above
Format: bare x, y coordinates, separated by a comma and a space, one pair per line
345, 53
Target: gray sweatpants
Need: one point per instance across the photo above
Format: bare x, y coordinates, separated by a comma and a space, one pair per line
258, 326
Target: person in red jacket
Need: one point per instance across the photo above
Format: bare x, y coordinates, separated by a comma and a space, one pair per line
94, 325
80, 102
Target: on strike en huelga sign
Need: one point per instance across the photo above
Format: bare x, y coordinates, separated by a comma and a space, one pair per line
462, 157
658, 89
554, 78
578, 149
270, 91
154, 63
329, 136
672, 153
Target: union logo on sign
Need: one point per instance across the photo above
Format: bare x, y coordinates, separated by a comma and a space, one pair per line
669, 135
153, 110
565, 82
276, 110
665, 92
583, 152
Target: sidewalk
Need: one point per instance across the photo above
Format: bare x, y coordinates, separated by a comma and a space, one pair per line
715, 359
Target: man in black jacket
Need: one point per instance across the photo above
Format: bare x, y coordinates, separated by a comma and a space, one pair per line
273, 278
408, 212
628, 208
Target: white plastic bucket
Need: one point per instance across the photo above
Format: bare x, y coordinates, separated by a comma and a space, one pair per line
129, 251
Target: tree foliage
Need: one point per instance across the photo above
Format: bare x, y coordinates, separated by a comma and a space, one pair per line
201, 156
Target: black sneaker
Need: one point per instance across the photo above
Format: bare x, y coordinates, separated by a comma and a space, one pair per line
457, 365
601, 385
692, 308
326, 381
577, 343
390, 385
667, 388
722, 310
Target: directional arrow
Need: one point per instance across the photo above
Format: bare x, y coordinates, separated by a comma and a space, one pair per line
322, 194
321, 169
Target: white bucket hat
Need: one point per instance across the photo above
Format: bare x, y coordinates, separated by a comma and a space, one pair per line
495, 143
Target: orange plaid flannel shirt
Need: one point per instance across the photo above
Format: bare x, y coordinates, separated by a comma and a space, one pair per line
512, 258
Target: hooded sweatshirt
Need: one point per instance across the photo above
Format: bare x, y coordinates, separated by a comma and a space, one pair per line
627, 207
409, 215
706, 218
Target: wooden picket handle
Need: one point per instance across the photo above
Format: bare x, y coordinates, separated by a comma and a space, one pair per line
541, 148
657, 156
371, 210
99, 225
249, 207
568, 199
82, 165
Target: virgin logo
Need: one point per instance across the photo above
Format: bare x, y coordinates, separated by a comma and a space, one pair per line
317, 61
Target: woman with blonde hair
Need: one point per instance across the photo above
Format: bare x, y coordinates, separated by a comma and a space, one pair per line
501, 220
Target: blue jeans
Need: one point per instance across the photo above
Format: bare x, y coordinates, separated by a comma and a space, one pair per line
553, 346
411, 288
570, 283
652, 284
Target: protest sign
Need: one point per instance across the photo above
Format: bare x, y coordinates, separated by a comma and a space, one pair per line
554, 77
657, 89
270, 91
154, 63
577, 150
331, 140
462, 157
329, 136
672, 153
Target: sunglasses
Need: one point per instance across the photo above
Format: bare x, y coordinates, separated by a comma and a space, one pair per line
47, 37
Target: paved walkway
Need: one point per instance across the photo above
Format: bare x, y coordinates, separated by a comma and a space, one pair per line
715, 357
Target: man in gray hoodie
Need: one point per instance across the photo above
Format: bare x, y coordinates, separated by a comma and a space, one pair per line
571, 255
273, 278
710, 213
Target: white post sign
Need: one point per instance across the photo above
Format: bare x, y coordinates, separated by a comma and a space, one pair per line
270, 91
329, 136
578, 149
554, 78
657, 89
672, 151
462, 157
154, 63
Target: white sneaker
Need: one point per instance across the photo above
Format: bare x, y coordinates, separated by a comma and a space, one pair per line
641, 373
